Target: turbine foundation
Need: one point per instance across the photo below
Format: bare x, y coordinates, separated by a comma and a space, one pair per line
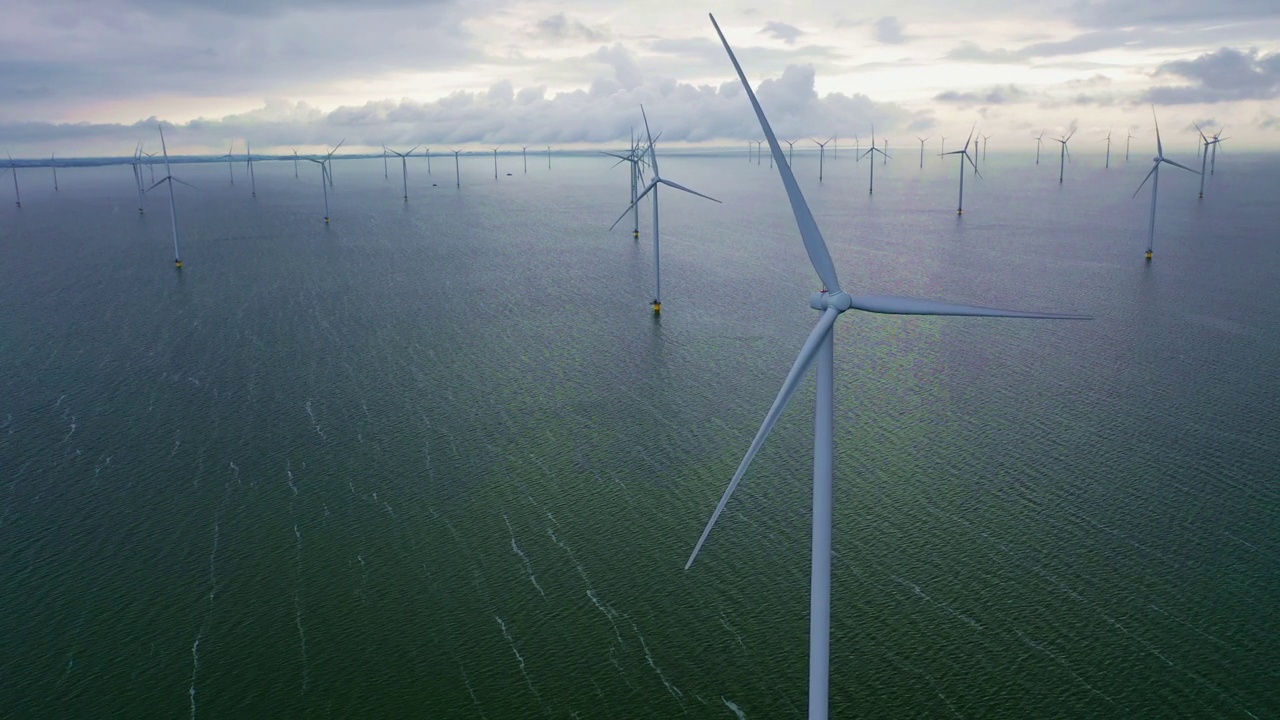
1148, 256
657, 307
177, 263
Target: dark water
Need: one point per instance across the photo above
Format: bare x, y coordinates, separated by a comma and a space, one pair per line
437, 459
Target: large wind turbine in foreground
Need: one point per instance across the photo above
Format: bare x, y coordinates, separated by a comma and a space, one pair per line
653, 187
964, 155
830, 301
404, 168
1154, 177
169, 179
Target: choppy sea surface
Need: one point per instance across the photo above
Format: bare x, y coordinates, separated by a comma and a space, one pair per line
439, 459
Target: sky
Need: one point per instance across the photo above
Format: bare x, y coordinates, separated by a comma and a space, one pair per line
94, 77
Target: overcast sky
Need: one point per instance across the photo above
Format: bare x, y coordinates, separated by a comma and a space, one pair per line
83, 77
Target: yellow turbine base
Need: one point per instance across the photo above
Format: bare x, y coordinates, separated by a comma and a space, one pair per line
326, 220
657, 307
177, 264
1148, 254
635, 233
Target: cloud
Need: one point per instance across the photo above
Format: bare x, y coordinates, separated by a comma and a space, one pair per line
1223, 75
560, 28
1127, 13
782, 31
889, 31
996, 95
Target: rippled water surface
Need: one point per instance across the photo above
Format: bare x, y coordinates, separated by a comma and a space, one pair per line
438, 459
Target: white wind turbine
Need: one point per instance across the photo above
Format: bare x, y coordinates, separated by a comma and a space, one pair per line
1217, 139
151, 164
248, 161
14, 169
524, 155
921, 139
985, 138
653, 187
1203, 157
831, 301
295, 163
1107, 139
791, 145
385, 173
427, 152
822, 150
964, 155
404, 169
871, 151
137, 174
942, 146
231, 170
1154, 177
1126, 145
457, 172
885, 159
548, 157
1063, 155
495, 163
1039, 142
857, 147
326, 178
635, 159
53, 164
169, 179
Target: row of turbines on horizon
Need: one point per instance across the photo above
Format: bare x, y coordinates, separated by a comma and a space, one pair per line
831, 300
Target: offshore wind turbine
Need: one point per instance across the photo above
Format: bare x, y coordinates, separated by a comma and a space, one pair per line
137, 174
151, 165
427, 152
53, 164
831, 301
942, 147
1039, 142
1217, 139
548, 157
295, 163
885, 159
634, 158
230, 165
385, 174
1203, 157
325, 177
871, 151
835, 147
822, 150
169, 179
921, 139
495, 163
964, 155
14, 169
985, 138
1063, 155
524, 155
457, 172
758, 144
1108, 141
1154, 177
1126, 145
791, 145
248, 161
653, 187
404, 169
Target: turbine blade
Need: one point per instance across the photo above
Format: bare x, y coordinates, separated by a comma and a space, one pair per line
1184, 167
157, 183
1145, 179
652, 185
814, 245
180, 182
898, 305
653, 157
798, 370
678, 186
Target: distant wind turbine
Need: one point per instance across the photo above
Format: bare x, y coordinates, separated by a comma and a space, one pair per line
295, 163
758, 144
137, 174
791, 145
921, 139
942, 147
822, 150
871, 151
457, 173
427, 152
1126, 145
230, 166
326, 178
1108, 141
524, 155
248, 161
985, 138
404, 168
964, 155
835, 147
831, 301
653, 188
1039, 142
14, 169
151, 165
1217, 140
1063, 155
495, 163
548, 157
1154, 177
53, 164
385, 174
635, 159
169, 179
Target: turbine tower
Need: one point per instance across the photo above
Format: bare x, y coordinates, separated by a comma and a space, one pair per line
326, 177
635, 159
1063, 155
1154, 177
53, 165
457, 172
248, 161
964, 155
231, 168
1107, 140
169, 180
17, 196
295, 163
921, 139
1039, 142
524, 155
1126, 145
871, 151
831, 301
822, 152
653, 187
495, 163
404, 169
137, 174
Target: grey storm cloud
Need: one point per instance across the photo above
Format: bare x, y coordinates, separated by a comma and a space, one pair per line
1223, 75
559, 27
997, 95
889, 31
782, 31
